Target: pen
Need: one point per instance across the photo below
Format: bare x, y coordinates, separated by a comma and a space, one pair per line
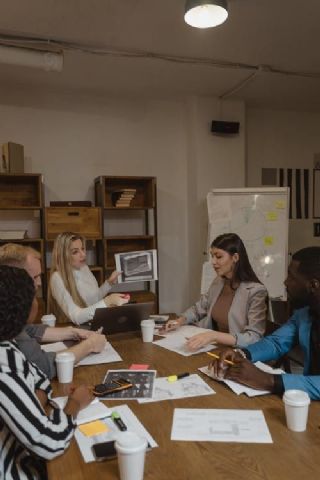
214, 355
118, 421
174, 378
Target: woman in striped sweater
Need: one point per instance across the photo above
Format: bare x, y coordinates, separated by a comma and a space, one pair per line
28, 436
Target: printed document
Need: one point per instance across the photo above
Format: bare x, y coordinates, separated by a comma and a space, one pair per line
238, 388
108, 354
220, 425
176, 340
191, 386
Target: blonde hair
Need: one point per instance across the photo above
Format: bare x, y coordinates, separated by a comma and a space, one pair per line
16, 255
61, 263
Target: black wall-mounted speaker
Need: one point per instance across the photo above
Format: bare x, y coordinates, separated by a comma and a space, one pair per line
225, 128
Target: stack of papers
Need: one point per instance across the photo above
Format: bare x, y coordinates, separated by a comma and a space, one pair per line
110, 431
238, 388
176, 340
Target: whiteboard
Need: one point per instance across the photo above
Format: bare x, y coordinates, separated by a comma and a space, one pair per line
260, 216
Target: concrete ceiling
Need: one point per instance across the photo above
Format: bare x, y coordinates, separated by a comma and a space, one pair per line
273, 34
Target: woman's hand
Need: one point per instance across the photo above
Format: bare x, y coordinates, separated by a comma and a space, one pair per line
79, 398
116, 299
172, 325
200, 340
113, 277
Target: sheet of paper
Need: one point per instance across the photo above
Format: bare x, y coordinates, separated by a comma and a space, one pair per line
238, 388
130, 420
108, 355
176, 340
192, 386
92, 412
220, 425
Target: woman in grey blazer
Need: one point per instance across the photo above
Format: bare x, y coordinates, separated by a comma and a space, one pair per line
236, 302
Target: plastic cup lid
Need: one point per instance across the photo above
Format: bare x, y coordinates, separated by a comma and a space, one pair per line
130, 440
65, 356
297, 398
147, 322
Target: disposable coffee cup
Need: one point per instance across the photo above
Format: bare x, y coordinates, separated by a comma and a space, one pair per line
147, 329
296, 404
131, 451
65, 362
49, 320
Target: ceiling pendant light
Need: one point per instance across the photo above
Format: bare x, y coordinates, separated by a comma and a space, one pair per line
205, 13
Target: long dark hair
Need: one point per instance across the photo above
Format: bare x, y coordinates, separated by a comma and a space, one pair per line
232, 243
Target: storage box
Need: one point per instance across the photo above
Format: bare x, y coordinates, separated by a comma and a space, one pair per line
82, 220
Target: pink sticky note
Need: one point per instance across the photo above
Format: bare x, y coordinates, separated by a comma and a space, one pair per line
138, 366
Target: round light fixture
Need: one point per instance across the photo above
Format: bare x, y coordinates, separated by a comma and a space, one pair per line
205, 13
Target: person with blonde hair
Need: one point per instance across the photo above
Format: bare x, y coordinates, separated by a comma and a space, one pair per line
74, 293
30, 337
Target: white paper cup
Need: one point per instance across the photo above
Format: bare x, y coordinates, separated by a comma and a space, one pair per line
147, 329
49, 320
296, 404
131, 451
65, 362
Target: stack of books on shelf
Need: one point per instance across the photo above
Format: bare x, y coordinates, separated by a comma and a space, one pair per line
123, 198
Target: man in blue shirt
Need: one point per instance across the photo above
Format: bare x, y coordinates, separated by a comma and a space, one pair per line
303, 328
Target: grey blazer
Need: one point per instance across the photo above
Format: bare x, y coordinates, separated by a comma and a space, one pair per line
247, 315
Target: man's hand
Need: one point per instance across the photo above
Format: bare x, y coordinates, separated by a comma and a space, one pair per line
97, 342
243, 371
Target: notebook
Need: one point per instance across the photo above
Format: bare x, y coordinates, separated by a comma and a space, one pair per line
126, 318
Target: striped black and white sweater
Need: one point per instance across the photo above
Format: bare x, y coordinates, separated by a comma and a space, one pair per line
28, 436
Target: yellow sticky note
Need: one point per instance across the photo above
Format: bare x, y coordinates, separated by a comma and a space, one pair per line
272, 216
93, 428
280, 204
268, 241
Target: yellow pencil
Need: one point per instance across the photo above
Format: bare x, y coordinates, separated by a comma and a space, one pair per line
214, 355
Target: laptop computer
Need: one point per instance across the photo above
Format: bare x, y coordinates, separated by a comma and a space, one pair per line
126, 318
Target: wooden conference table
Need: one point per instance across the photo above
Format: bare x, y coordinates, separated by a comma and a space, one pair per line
290, 456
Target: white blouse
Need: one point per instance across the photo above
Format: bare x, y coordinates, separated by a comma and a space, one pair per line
89, 291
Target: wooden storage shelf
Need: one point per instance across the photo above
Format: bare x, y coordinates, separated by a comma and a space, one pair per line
20, 191
85, 221
124, 222
144, 191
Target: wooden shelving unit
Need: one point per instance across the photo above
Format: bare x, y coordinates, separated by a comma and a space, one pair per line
128, 228
21, 203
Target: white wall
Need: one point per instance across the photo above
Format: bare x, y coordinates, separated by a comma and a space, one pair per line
169, 139
284, 139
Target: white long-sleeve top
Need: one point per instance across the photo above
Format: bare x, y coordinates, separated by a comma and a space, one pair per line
28, 436
89, 291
